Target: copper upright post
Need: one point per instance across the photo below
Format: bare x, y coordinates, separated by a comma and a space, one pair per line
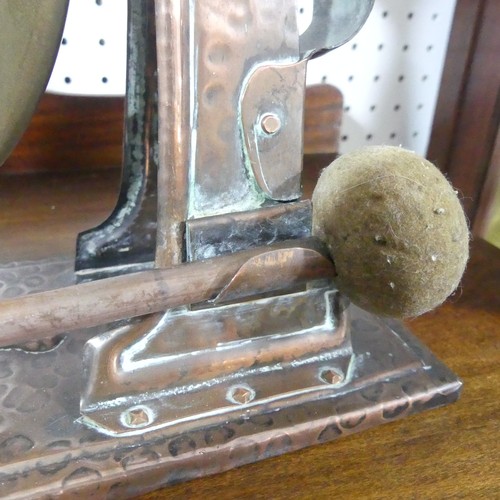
172, 28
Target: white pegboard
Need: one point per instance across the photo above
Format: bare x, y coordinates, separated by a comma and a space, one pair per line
389, 73
93, 52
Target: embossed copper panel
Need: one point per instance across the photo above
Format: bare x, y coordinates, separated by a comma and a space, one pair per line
45, 449
201, 365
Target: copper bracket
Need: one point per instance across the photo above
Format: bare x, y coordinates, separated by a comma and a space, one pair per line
257, 356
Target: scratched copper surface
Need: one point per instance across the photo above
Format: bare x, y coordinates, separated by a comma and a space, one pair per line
46, 451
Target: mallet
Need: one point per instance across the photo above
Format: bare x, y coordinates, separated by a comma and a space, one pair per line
391, 221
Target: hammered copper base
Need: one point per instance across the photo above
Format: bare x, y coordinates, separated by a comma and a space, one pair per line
46, 451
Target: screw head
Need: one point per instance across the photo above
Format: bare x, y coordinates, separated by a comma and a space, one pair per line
270, 123
137, 417
331, 376
240, 394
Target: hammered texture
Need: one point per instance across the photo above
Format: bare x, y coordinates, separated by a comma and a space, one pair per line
232, 39
17, 279
21, 278
46, 451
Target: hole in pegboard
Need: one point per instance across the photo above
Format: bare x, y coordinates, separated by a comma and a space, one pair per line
104, 79
304, 13
102, 42
64, 41
67, 79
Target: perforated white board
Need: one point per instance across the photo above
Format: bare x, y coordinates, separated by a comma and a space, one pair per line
93, 53
389, 73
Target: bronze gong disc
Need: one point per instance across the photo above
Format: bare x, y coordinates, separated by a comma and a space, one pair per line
30, 32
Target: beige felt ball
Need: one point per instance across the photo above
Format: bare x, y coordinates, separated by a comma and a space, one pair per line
395, 229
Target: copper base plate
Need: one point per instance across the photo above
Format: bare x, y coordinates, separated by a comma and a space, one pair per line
45, 449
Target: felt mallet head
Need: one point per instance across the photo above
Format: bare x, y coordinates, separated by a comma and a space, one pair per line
395, 229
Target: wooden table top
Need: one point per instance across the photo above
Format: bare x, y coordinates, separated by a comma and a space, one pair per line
452, 452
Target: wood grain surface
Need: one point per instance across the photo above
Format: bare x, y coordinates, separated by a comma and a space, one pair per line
69, 134
467, 117
452, 452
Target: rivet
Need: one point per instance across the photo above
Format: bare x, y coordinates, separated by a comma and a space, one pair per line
270, 123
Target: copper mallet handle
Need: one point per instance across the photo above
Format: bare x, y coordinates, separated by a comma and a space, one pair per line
85, 305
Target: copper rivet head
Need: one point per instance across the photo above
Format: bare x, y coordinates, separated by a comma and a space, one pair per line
270, 123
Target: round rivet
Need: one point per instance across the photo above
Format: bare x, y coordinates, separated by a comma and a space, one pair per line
270, 123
